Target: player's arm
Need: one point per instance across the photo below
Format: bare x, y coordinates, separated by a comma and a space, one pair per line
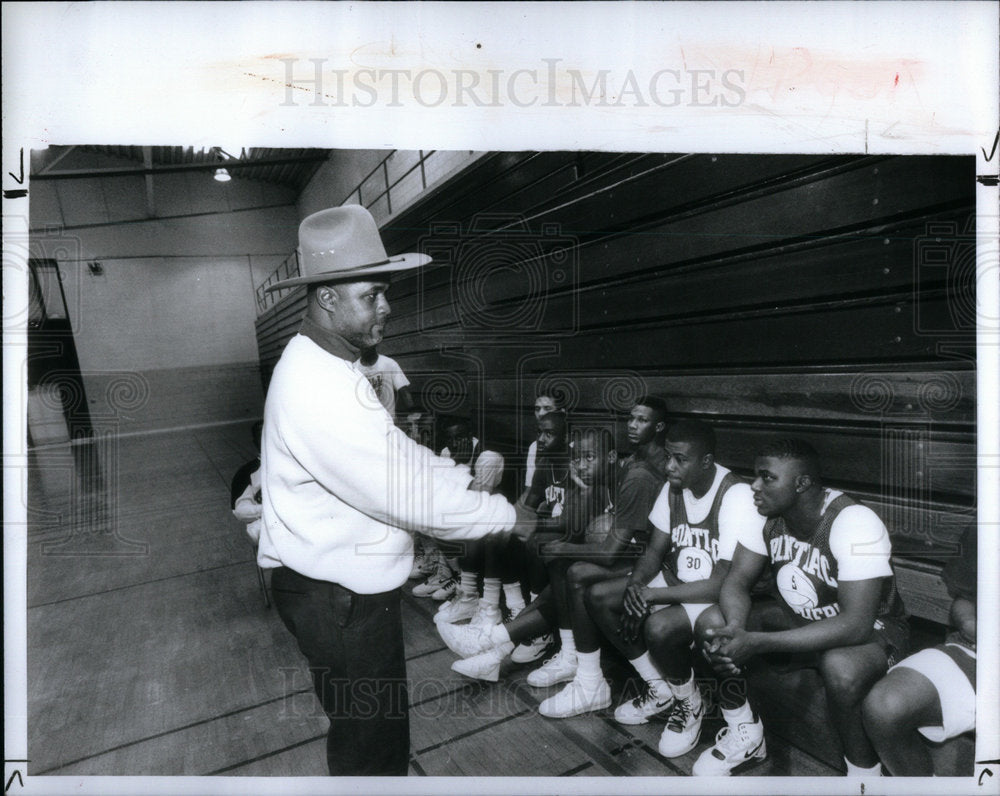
734, 593
859, 601
963, 618
697, 591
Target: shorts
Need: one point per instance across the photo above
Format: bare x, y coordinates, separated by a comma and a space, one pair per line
693, 610
949, 673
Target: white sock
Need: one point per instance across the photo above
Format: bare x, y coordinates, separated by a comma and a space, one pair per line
737, 716
687, 690
491, 591
499, 635
512, 593
467, 585
568, 644
860, 771
647, 670
588, 670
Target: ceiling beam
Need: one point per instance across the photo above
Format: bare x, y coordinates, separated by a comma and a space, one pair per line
174, 168
147, 161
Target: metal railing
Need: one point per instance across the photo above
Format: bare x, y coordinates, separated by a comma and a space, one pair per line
373, 187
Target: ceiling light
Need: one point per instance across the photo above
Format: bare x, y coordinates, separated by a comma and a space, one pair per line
222, 175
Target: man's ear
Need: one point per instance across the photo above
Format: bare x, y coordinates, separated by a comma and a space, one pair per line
803, 482
661, 427
326, 297
612, 456
707, 461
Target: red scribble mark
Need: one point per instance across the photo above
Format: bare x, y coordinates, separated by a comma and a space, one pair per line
896, 81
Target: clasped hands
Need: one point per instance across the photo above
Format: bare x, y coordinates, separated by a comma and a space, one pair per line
636, 607
728, 648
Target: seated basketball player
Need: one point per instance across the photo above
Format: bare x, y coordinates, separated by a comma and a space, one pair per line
585, 504
837, 608
650, 614
609, 550
486, 468
933, 692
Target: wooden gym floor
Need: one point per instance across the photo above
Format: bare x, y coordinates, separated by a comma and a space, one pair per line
150, 650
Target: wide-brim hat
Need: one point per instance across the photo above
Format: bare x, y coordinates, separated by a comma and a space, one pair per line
343, 243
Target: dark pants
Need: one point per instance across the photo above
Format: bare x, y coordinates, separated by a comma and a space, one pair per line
354, 645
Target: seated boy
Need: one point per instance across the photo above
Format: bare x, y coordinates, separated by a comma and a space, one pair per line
837, 608
587, 503
486, 468
933, 692
650, 614
607, 549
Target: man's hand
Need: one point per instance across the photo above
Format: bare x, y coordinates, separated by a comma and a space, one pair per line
558, 549
525, 521
636, 609
729, 648
636, 600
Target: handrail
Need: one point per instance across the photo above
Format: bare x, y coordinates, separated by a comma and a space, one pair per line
266, 300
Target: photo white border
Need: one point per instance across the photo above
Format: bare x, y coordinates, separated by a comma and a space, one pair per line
836, 77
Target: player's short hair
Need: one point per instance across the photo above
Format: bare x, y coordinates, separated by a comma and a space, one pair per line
693, 431
601, 434
559, 416
456, 420
793, 448
657, 404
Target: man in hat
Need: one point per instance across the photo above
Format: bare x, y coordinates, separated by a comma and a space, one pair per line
344, 489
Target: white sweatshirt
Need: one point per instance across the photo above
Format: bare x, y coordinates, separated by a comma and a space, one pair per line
343, 487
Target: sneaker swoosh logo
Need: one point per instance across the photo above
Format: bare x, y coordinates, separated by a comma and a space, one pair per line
753, 751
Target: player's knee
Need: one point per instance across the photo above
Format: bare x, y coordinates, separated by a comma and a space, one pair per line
711, 618
887, 708
845, 676
659, 629
597, 598
576, 574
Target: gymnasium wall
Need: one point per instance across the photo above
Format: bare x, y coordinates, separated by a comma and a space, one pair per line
830, 298
164, 333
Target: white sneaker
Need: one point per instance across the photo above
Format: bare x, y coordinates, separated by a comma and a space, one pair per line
484, 666
457, 609
447, 589
576, 698
641, 709
683, 728
559, 668
433, 583
733, 747
465, 640
423, 567
486, 615
532, 651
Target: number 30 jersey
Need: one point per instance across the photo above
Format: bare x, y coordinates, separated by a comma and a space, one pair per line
705, 530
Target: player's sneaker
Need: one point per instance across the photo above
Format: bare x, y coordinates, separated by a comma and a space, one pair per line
644, 707
532, 650
457, 609
423, 567
576, 698
486, 615
447, 589
683, 728
560, 668
484, 666
465, 640
441, 575
734, 746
